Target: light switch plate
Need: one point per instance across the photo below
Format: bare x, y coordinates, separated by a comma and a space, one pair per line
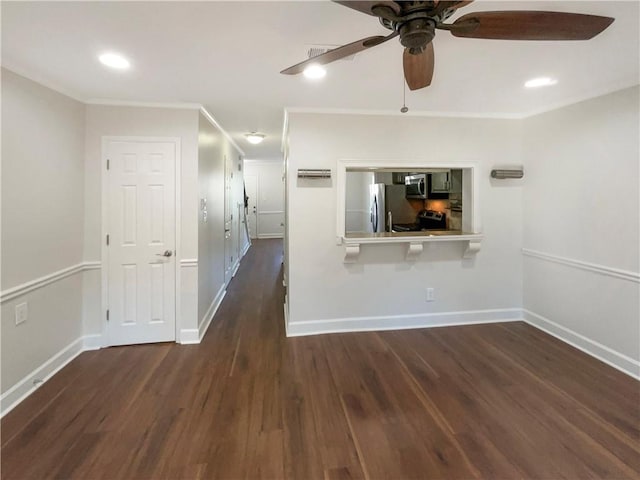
430, 295
22, 312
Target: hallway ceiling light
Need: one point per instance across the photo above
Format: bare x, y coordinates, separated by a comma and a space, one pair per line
540, 82
255, 137
114, 60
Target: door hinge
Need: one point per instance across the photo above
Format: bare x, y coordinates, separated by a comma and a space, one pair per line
108, 163
107, 239
107, 315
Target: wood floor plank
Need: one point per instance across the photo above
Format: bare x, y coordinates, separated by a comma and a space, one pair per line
498, 401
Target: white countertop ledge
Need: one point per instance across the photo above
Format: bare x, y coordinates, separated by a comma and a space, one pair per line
414, 241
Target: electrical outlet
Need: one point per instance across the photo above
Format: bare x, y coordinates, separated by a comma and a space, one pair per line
430, 295
22, 313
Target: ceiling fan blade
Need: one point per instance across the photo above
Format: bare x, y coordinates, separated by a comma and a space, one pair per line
418, 69
366, 7
529, 25
443, 5
338, 53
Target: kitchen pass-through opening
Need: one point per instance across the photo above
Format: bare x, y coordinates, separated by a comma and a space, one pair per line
397, 201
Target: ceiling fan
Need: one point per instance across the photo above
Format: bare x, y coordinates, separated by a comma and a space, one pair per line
415, 22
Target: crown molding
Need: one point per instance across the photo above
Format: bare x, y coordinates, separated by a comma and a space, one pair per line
132, 103
396, 113
177, 105
488, 115
215, 123
45, 83
581, 98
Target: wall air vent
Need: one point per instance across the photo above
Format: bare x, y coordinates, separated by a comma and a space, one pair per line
315, 50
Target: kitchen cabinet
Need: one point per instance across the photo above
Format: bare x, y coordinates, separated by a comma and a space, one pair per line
440, 182
456, 181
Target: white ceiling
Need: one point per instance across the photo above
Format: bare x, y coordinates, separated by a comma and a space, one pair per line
228, 55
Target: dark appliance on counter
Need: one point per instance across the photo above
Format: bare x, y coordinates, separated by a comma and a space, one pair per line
425, 220
432, 220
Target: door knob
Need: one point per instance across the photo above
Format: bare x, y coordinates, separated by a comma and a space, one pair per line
167, 253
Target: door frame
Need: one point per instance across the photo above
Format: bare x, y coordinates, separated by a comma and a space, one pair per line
104, 251
257, 199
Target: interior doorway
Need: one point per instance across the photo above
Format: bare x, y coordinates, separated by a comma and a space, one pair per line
251, 186
140, 241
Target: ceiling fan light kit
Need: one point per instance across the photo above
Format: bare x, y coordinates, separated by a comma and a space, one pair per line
255, 137
416, 23
314, 71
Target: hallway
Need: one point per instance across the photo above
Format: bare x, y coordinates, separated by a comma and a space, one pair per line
486, 401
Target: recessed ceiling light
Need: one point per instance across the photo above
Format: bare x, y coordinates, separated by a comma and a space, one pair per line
114, 60
255, 137
540, 82
314, 71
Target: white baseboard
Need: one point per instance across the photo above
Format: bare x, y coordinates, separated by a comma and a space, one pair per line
211, 311
235, 268
402, 322
603, 353
189, 336
285, 306
262, 236
192, 336
245, 249
92, 342
25, 387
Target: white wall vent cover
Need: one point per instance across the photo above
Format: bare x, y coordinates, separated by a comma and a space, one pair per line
315, 50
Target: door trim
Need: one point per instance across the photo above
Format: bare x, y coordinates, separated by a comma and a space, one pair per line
257, 199
104, 251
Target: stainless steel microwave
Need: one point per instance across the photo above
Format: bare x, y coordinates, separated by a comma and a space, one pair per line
416, 186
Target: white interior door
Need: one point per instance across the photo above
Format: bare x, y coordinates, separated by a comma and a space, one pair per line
251, 185
141, 246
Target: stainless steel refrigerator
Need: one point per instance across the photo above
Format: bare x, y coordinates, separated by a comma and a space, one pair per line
376, 208
387, 205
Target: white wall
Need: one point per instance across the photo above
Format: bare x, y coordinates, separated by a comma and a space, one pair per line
382, 284
270, 201
581, 197
213, 147
52, 223
102, 120
42, 223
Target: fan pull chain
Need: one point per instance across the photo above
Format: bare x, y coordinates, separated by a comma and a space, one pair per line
404, 108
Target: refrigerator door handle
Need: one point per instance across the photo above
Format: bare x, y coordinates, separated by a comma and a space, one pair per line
374, 214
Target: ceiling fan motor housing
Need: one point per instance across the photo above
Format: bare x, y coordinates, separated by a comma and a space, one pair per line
417, 33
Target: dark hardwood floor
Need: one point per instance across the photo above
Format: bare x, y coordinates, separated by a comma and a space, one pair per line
500, 401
